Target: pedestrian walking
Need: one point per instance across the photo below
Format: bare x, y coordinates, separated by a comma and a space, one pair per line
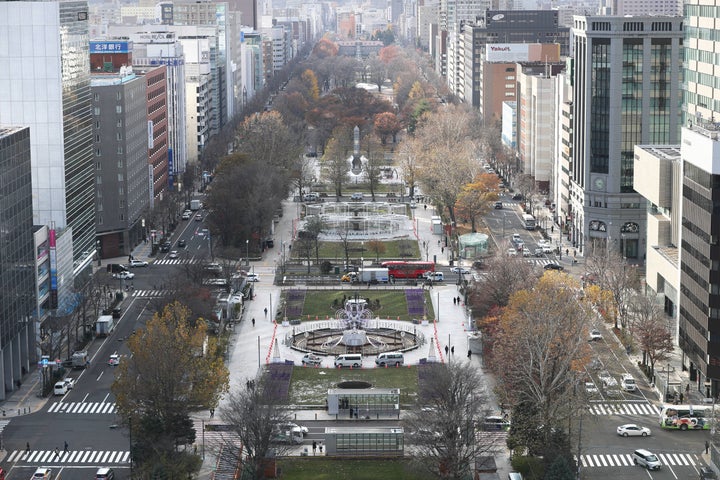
454, 300
253, 321
57, 453
552, 228
458, 300
265, 312
212, 412
442, 249
707, 447
447, 350
27, 447
682, 397
320, 446
452, 350
66, 448
469, 354
567, 252
687, 389
314, 447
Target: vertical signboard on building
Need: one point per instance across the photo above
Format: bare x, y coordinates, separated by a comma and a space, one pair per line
171, 170
151, 136
53, 270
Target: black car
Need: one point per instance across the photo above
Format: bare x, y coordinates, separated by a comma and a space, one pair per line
707, 473
553, 266
517, 196
165, 247
181, 243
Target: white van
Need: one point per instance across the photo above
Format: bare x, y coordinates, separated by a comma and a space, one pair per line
390, 358
353, 360
435, 276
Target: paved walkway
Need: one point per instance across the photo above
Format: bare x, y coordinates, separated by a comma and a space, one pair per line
251, 345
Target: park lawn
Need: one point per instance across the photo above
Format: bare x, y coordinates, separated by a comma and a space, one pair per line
309, 386
335, 251
393, 304
325, 468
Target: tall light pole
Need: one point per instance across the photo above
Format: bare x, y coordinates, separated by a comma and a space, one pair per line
247, 252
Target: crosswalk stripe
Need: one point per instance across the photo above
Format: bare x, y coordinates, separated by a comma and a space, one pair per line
82, 408
625, 460
98, 457
623, 408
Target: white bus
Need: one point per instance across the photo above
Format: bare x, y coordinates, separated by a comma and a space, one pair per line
686, 417
528, 221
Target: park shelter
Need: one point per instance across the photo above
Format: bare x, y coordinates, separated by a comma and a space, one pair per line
364, 441
363, 402
473, 245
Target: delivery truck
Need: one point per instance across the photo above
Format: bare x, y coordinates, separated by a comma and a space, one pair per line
195, 205
371, 275
104, 326
80, 359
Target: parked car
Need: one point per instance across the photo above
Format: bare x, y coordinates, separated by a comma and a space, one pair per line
62, 387
311, 359
138, 263
124, 275
632, 430
707, 473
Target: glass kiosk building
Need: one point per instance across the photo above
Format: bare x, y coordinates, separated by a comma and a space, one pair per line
364, 441
363, 402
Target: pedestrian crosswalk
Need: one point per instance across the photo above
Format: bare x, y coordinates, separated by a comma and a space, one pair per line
82, 407
56, 457
151, 293
623, 408
495, 439
625, 460
176, 261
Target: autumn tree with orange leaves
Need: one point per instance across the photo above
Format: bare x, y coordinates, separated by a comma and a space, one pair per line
476, 197
539, 356
387, 125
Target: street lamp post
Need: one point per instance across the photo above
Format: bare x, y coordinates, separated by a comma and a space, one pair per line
247, 252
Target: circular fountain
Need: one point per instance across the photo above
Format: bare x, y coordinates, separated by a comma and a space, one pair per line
355, 331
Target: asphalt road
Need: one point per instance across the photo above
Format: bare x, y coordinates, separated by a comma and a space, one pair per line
85, 417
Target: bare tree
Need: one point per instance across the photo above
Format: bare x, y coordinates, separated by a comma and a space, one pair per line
335, 166
442, 429
611, 272
375, 163
254, 413
504, 276
651, 330
540, 349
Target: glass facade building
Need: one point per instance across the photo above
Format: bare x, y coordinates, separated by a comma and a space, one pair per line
366, 402
17, 274
626, 84
46, 61
364, 441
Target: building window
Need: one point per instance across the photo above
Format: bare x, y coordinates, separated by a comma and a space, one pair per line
118, 108
97, 152
96, 111
120, 150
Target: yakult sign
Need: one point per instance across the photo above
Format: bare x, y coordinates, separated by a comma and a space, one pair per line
507, 52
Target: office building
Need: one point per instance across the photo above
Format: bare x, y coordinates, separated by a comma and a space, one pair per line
626, 92
121, 153
17, 259
46, 86
699, 310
